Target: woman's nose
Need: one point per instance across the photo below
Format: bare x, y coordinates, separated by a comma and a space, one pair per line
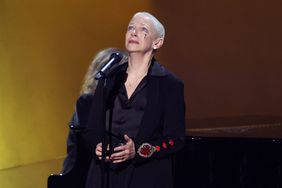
133, 32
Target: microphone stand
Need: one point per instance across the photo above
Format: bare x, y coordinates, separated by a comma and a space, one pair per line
103, 76
104, 139
106, 135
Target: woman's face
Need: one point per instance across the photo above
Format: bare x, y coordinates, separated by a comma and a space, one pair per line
140, 35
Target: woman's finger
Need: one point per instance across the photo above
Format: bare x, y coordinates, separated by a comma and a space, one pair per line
119, 161
120, 148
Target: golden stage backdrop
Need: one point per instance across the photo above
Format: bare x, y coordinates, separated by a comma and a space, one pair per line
45, 49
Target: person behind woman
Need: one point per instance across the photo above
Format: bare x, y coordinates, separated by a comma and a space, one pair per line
148, 110
80, 116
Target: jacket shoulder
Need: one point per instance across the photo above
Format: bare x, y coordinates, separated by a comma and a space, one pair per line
160, 71
84, 99
171, 78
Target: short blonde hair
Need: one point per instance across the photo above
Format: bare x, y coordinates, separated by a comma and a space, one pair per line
158, 26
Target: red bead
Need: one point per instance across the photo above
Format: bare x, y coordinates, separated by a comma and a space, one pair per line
171, 142
158, 148
164, 145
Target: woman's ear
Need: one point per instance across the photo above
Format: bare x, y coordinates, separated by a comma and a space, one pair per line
158, 43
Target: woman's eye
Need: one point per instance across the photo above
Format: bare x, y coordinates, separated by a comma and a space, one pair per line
144, 29
130, 28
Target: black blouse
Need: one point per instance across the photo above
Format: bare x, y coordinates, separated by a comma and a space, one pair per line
128, 112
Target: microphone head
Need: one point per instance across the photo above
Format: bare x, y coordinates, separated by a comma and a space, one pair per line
117, 56
114, 59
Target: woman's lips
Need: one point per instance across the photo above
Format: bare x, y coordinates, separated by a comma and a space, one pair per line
133, 41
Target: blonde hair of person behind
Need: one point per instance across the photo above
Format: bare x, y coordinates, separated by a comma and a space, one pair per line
102, 57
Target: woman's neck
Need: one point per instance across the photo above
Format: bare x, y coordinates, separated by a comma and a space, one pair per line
138, 64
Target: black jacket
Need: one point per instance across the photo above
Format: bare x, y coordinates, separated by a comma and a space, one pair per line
162, 127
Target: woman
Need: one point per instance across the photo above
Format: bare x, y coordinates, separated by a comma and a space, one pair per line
148, 110
80, 116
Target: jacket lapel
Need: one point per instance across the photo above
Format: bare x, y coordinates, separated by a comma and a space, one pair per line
152, 112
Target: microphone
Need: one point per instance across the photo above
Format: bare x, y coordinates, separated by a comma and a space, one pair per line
105, 70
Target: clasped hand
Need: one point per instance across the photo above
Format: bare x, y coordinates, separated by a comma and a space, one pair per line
121, 153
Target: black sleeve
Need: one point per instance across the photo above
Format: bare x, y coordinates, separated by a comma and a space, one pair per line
94, 129
172, 138
77, 124
70, 159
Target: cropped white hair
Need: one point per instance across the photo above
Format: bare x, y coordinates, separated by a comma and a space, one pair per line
157, 24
